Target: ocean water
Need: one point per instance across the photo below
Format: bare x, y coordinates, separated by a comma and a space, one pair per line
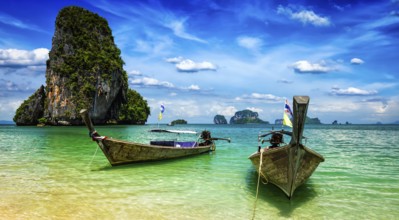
59, 173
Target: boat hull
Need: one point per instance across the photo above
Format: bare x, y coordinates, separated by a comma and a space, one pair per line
287, 167
121, 152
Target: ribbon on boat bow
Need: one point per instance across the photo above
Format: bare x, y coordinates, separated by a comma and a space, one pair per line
95, 136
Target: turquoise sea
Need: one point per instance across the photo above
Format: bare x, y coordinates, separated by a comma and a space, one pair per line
58, 173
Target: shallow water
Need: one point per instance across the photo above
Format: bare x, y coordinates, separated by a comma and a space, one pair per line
59, 173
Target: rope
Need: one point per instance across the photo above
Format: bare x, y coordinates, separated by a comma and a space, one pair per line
257, 186
95, 152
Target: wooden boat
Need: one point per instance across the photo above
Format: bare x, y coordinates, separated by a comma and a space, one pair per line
287, 165
122, 152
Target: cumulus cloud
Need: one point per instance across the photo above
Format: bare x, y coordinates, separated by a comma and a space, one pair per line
356, 61
23, 58
146, 81
223, 110
191, 66
259, 97
304, 16
352, 91
251, 43
187, 65
304, 66
151, 82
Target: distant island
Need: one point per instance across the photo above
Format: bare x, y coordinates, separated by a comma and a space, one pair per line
246, 117
179, 122
314, 121
219, 119
335, 122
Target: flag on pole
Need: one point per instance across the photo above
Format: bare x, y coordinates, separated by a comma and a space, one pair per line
162, 108
287, 114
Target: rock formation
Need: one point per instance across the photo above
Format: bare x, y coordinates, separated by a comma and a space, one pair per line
245, 117
31, 110
84, 70
219, 119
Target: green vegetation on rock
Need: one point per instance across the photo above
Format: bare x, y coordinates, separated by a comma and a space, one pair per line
135, 111
179, 122
246, 117
84, 53
84, 70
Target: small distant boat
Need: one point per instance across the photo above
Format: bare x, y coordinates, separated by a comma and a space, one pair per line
287, 165
120, 152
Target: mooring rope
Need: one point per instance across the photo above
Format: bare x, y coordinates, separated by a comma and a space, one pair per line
257, 186
95, 152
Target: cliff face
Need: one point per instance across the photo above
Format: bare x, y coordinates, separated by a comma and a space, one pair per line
219, 119
245, 117
84, 69
31, 109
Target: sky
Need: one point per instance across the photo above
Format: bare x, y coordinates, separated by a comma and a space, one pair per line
200, 58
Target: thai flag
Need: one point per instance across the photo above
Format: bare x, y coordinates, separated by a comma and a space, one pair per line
162, 108
287, 115
287, 108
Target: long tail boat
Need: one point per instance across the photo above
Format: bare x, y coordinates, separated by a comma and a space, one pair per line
287, 165
120, 152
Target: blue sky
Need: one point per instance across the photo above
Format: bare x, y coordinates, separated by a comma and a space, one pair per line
202, 58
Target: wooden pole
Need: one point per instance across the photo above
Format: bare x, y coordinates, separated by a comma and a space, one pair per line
85, 116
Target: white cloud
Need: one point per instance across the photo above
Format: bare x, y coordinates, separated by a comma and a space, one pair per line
352, 91
177, 26
174, 59
147, 81
304, 16
356, 61
134, 73
194, 87
304, 66
23, 58
191, 66
227, 111
251, 43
